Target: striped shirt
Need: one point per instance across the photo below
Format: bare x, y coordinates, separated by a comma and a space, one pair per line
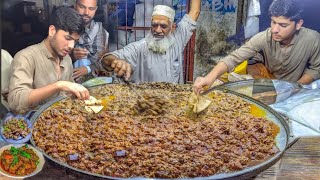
151, 67
95, 40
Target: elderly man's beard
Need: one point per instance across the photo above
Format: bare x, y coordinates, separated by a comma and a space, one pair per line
159, 45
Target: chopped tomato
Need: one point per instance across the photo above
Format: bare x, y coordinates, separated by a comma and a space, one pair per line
8, 156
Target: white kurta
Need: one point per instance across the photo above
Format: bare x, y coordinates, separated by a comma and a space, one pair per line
151, 67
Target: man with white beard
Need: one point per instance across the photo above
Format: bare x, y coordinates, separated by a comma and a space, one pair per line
159, 56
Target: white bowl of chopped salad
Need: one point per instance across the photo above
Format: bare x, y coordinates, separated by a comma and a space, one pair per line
20, 161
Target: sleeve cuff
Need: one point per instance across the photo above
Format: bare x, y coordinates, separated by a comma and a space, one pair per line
188, 19
227, 61
312, 73
18, 102
88, 69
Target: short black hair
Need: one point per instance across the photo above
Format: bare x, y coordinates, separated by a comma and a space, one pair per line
77, 1
291, 9
67, 19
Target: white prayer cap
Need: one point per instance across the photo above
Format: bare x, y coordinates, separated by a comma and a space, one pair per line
163, 10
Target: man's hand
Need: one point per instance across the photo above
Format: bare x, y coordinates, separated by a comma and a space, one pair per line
78, 90
80, 53
119, 66
201, 84
78, 72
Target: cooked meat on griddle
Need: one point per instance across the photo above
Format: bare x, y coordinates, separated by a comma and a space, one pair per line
151, 104
119, 142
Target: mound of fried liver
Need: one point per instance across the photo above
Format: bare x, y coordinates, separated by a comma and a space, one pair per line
120, 142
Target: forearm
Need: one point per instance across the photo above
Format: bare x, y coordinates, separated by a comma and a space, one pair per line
305, 79
195, 6
201, 83
20, 98
38, 95
95, 65
217, 71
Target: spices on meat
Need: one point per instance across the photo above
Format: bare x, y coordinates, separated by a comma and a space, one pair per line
119, 142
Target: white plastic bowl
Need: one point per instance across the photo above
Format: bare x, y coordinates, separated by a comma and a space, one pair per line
39, 166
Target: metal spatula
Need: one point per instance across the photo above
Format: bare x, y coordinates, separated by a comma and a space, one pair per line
130, 86
198, 103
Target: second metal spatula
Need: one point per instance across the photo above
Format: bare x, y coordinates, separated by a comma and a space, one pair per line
132, 88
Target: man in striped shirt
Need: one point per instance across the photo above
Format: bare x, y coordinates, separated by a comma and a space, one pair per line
91, 45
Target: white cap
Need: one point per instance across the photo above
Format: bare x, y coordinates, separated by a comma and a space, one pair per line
163, 10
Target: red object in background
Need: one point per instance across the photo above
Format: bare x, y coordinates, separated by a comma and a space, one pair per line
188, 67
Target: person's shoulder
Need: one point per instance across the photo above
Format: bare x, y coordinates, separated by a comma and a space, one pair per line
67, 60
29, 51
97, 24
266, 32
308, 30
263, 35
142, 41
28, 55
5, 53
187, 18
139, 43
133, 47
5, 56
310, 34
